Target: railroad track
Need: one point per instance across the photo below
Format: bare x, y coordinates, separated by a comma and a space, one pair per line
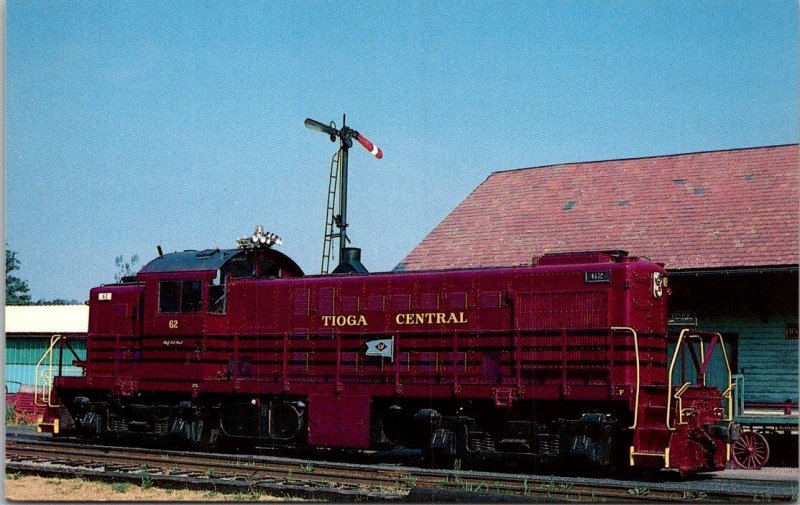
324, 480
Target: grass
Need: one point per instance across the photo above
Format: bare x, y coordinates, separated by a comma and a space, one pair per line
120, 487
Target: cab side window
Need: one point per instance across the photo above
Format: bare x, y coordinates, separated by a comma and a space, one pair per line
180, 296
216, 298
191, 296
169, 296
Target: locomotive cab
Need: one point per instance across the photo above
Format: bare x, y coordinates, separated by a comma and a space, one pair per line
182, 288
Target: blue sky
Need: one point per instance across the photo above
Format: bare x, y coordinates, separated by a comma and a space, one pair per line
132, 124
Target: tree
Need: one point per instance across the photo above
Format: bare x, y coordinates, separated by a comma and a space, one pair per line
16, 288
125, 268
58, 301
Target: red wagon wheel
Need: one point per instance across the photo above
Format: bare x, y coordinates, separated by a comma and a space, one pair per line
751, 451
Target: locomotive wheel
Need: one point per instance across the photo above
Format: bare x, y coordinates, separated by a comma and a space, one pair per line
751, 451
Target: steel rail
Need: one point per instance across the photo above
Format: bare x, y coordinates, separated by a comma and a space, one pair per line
377, 482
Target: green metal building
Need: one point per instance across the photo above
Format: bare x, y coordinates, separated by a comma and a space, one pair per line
29, 330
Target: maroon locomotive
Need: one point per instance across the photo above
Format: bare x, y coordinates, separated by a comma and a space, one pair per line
562, 360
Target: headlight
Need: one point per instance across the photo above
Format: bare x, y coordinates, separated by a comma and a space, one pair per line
659, 281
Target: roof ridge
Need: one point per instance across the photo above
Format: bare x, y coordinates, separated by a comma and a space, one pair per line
552, 165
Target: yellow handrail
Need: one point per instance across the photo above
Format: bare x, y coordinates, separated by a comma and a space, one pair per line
669, 374
677, 396
46, 382
638, 372
702, 362
730, 378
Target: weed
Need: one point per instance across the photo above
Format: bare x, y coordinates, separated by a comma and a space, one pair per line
476, 488
211, 494
307, 468
692, 496
411, 480
147, 482
762, 498
11, 414
549, 486
211, 473
525, 487
120, 487
249, 496
13, 475
566, 486
639, 491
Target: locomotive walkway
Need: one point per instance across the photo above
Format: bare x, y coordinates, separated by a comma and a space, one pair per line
336, 481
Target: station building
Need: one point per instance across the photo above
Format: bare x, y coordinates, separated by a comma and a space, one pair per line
724, 223
28, 333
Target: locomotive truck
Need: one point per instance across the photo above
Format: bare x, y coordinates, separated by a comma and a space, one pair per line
561, 360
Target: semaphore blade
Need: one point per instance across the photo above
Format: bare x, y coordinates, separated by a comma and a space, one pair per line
316, 125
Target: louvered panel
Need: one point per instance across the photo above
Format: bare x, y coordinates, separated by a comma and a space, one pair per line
571, 310
401, 302
425, 361
350, 304
299, 361
455, 361
429, 301
457, 300
376, 302
490, 299
349, 361
300, 302
326, 301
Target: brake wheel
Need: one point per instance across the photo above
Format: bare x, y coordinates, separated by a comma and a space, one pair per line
751, 451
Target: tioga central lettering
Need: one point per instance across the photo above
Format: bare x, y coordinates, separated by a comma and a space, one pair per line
344, 321
431, 318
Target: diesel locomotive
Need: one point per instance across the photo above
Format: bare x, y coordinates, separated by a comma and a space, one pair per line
562, 360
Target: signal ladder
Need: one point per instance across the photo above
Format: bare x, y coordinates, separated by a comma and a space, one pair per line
332, 220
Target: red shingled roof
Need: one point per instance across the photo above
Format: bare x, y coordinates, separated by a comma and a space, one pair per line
713, 209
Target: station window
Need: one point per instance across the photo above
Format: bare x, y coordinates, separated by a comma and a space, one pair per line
179, 296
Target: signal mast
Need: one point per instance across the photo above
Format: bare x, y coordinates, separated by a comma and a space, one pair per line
349, 257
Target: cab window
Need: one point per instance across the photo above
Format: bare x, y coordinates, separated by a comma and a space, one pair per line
191, 296
179, 296
241, 266
216, 298
268, 268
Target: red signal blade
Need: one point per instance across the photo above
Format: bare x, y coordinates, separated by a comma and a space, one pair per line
369, 146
